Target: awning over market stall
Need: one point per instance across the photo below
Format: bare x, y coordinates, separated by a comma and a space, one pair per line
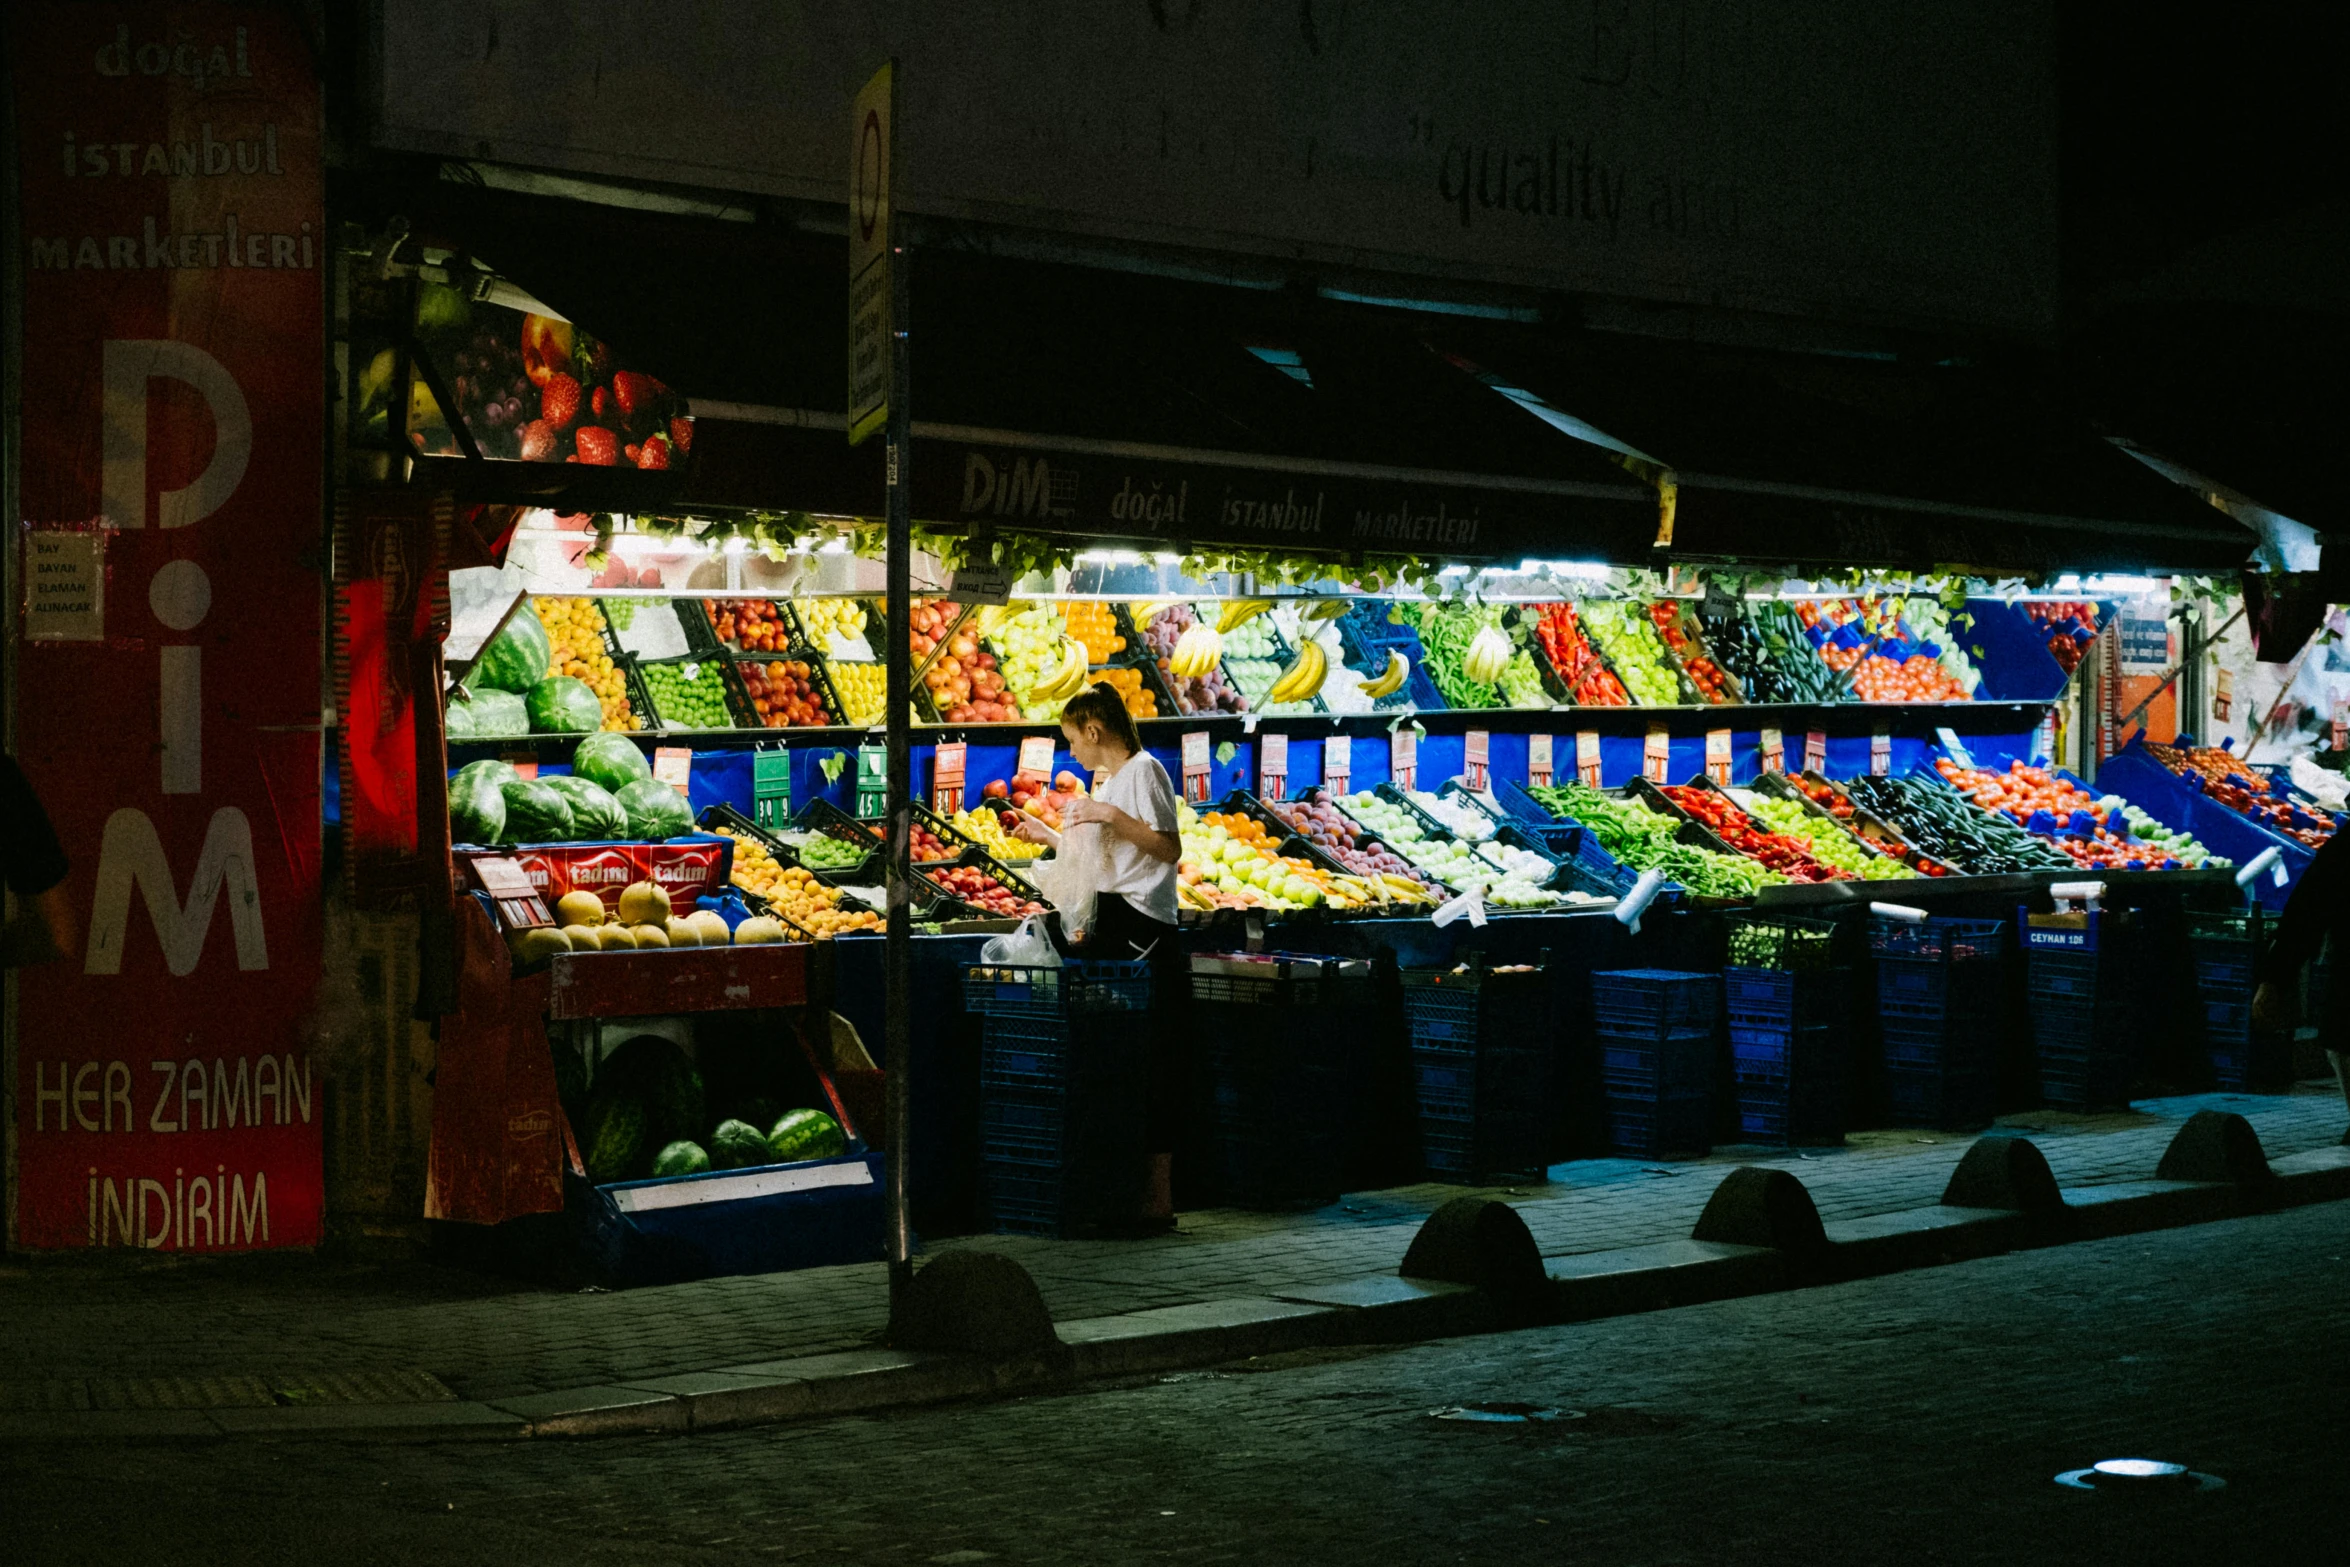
1831, 460
1135, 410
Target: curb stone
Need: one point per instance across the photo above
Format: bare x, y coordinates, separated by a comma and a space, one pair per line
1379, 1308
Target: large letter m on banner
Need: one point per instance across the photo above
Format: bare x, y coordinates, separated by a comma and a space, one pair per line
132, 851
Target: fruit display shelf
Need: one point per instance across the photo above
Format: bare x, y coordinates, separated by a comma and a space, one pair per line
829, 820
1445, 866
1292, 843
1366, 637
1254, 674
667, 682
722, 818
945, 879
795, 686
1371, 852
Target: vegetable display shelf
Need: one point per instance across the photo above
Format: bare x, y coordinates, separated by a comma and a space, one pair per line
1953, 828
1693, 832
1861, 828
1567, 687
1797, 865
1865, 824
1682, 622
2175, 802
1612, 874
1764, 645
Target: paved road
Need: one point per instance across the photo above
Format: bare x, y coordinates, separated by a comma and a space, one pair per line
1911, 1419
80, 1332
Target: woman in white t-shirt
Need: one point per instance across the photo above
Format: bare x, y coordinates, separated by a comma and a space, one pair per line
1133, 920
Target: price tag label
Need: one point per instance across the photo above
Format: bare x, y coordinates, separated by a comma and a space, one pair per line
2223, 695
1273, 766
1955, 746
674, 766
2048, 737
1717, 755
1815, 751
1881, 753
1477, 759
946, 777
1774, 751
771, 787
1338, 764
1656, 758
1036, 757
1538, 761
1403, 757
2342, 723
1587, 757
526, 763
511, 889
1195, 766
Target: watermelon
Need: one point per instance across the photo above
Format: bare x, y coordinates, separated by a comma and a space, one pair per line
616, 1140
611, 760
560, 705
759, 1111
535, 813
489, 715
477, 802
736, 1145
657, 1072
806, 1134
594, 813
681, 1158
655, 810
517, 657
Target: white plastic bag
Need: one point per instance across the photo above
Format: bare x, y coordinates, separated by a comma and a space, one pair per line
1030, 946
1071, 879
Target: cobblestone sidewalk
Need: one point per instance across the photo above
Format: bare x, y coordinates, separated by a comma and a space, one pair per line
108, 1331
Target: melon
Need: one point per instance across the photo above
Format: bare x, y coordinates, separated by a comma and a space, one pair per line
650, 935
579, 908
536, 944
757, 930
616, 938
682, 933
584, 938
644, 903
713, 927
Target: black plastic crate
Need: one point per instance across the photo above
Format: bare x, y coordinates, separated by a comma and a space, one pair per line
1947, 1100
1664, 1065
1064, 1107
1780, 998
1780, 1113
1628, 1002
1283, 1064
1938, 940
1780, 941
1650, 1128
1075, 986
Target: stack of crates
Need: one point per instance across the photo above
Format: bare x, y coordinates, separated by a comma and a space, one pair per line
1481, 1069
1281, 1033
2228, 948
2075, 976
1940, 996
1656, 1032
1784, 998
1064, 1078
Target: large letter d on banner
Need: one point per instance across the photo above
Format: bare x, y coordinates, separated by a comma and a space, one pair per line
129, 365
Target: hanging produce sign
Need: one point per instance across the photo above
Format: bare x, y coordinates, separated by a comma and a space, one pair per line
1538, 767
1881, 753
1717, 755
1656, 757
173, 335
1036, 757
2342, 723
2223, 695
674, 766
1195, 766
946, 777
1403, 757
1587, 768
1476, 757
1337, 763
1273, 766
1774, 751
1815, 751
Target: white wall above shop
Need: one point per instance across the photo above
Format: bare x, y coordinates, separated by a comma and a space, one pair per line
1839, 158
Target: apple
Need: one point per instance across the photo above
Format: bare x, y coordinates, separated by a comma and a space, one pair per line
996, 789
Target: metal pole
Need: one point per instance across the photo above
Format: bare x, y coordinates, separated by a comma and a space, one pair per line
897, 960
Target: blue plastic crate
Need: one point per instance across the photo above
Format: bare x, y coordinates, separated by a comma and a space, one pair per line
1779, 998
1777, 1112
1648, 1128
1945, 1101
1628, 1002
1076, 986
1666, 1065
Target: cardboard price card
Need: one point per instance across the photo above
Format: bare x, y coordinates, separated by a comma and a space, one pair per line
1338, 763
1477, 759
674, 766
1881, 753
1717, 755
2223, 695
1036, 757
1815, 751
1272, 766
1403, 757
1195, 766
1538, 749
1774, 751
1656, 757
1587, 758
946, 777
2342, 723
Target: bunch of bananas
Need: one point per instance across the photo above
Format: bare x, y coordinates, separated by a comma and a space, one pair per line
1239, 612
1303, 677
1063, 682
1488, 654
1198, 650
1389, 680
1324, 609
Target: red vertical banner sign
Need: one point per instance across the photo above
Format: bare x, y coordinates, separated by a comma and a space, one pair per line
172, 373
